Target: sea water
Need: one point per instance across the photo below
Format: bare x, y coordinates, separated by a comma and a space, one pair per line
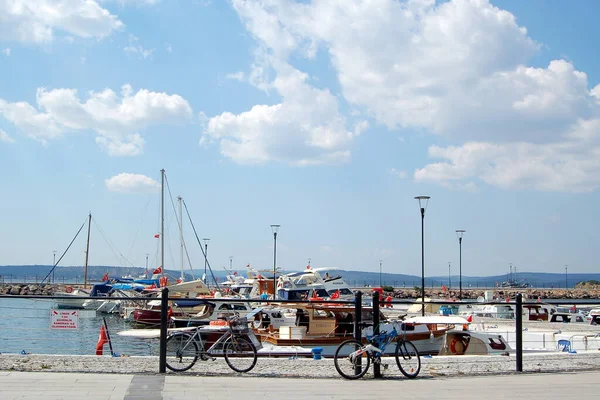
25, 329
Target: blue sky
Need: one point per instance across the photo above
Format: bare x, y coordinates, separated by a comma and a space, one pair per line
327, 118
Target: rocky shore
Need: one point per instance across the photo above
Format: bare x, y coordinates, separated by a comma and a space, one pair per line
20, 289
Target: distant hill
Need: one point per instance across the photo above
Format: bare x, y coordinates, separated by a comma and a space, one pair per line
75, 274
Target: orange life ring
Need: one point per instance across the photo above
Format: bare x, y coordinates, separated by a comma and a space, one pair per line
218, 322
69, 289
163, 281
457, 343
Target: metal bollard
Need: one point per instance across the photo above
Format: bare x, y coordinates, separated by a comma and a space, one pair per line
357, 321
519, 332
164, 309
376, 367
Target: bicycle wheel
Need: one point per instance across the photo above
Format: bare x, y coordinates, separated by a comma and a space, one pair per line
182, 352
240, 354
407, 358
350, 361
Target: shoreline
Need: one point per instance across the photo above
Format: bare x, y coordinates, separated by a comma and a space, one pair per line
32, 289
307, 368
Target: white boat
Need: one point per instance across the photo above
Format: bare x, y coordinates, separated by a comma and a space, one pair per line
546, 336
313, 282
462, 340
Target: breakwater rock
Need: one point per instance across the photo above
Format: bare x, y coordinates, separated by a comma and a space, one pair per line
498, 294
30, 289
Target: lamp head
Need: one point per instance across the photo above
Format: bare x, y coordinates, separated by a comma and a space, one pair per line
460, 233
423, 200
206, 240
275, 229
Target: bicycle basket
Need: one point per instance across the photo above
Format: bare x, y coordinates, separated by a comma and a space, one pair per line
240, 325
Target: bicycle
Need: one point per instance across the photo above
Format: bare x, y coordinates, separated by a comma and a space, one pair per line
352, 359
184, 347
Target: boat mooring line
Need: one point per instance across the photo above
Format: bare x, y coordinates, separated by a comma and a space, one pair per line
148, 387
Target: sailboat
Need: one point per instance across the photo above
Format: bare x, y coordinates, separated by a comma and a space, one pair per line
181, 289
76, 298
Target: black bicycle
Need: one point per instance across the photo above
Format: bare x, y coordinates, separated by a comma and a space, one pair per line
185, 347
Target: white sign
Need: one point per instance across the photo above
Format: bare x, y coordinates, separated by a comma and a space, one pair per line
64, 319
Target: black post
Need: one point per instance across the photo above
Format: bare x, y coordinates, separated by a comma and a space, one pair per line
274, 265
460, 267
108, 336
164, 309
376, 366
422, 262
519, 332
357, 322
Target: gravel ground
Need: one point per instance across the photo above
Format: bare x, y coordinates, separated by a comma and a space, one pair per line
438, 366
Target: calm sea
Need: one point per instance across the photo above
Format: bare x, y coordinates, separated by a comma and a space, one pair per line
25, 327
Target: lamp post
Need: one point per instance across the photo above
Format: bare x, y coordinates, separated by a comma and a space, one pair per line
566, 276
275, 229
449, 281
230, 263
206, 240
423, 200
459, 234
380, 273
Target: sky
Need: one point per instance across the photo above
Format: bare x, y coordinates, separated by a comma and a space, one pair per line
325, 117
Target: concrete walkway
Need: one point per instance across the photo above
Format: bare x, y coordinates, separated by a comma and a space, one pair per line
77, 386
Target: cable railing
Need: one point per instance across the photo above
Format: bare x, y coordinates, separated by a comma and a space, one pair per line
35, 325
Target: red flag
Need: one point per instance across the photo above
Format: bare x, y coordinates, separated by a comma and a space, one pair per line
308, 266
105, 277
157, 271
157, 235
470, 318
234, 272
335, 295
102, 339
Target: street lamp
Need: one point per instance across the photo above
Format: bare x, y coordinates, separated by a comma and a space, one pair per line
275, 229
566, 276
146, 270
459, 234
380, 273
423, 200
449, 281
206, 240
230, 263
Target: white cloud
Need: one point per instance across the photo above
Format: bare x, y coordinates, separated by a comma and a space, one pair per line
132, 183
237, 76
306, 128
6, 52
5, 138
115, 119
455, 68
134, 48
570, 166
398, 173
36, 21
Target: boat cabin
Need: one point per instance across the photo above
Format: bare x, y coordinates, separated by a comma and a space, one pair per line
301, 294
536, 312
567, 317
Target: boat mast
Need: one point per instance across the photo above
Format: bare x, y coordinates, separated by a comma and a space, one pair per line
181, 232
87, 252
162, 223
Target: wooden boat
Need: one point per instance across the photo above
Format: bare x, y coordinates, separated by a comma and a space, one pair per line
326, 326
